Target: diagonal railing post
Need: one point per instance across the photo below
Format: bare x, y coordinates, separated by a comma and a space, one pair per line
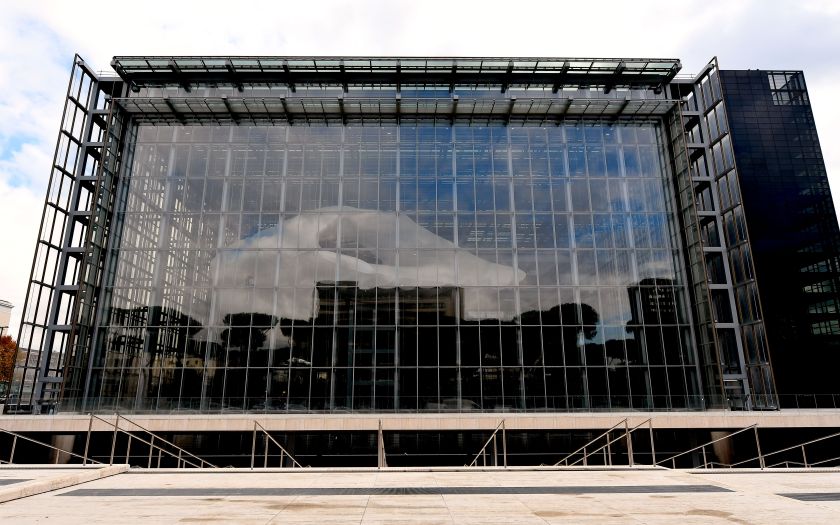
114, 438
758, 447
652, 446
381, 461
285, 453
151, 449
495, 452
253, 445
87, 439
804, 457
12, 455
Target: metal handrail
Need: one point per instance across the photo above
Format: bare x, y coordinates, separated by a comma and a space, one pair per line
492, 439
762, 457
610, 442
265, 459
154, 437
801, 445
823, 461
14, 445
703, 446
591, 441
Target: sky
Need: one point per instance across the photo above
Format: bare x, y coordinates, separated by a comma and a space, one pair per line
39, 38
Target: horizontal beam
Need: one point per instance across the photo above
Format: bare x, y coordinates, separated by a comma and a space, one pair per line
341, 109
630, 72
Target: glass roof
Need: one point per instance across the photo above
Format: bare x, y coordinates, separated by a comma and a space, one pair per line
550, 71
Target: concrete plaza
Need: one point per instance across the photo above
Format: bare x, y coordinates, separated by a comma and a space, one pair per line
594, 495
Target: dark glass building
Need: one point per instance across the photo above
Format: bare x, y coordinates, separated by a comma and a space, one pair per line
793, 227
268, 234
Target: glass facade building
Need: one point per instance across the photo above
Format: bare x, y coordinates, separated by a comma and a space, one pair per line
396, 234
793, 225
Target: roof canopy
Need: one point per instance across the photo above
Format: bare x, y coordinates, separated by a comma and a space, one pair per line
397, 71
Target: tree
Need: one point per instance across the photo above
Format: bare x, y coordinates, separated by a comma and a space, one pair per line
8, 348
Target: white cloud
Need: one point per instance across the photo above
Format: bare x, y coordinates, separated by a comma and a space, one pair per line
38, 39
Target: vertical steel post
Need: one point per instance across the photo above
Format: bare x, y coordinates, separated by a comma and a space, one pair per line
504, 444
704, 456
179, 458
87, 440
12, 455
151, 449
128, 451
584, 456
608, 452
265, 453
629, 442
495, 451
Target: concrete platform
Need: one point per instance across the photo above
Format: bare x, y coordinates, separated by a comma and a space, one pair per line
620, 495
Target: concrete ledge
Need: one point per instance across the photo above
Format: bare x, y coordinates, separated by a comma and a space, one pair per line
39, 486
188, 423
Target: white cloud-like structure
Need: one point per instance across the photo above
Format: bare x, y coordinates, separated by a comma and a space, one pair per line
276, 270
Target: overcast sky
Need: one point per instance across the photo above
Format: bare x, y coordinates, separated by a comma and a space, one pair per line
38, 40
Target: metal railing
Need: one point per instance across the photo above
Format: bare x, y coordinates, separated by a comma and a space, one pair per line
762, 458
181, 456
565, 460
702, 448
606, 448
283, 452
16, 436
492, 440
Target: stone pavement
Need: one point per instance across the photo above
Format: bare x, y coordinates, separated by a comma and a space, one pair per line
532, 495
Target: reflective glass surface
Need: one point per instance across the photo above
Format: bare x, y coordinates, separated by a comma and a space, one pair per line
416, 267
792, 226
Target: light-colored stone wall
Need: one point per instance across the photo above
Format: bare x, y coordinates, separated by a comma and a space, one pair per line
5, 316
420, 422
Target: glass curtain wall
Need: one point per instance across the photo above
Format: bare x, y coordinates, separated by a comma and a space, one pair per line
414, 267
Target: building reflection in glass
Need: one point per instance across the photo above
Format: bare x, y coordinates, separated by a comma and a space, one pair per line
396, 268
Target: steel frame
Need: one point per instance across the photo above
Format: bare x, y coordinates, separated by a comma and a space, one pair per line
86, 149
398, 71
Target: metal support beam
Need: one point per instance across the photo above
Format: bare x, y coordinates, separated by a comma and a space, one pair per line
286, 111
454, 110
561, 78
289, 82
233, 113
511, 104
